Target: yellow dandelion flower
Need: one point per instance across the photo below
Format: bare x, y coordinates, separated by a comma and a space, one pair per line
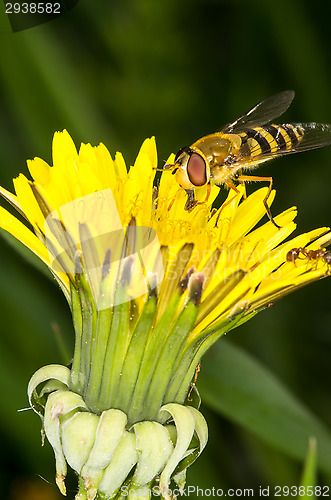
151, 287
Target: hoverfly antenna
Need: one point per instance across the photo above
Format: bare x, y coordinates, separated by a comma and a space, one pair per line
185, 149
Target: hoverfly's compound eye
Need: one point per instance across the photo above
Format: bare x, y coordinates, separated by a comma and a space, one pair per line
196, 170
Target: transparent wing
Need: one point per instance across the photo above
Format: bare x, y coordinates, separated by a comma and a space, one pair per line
262, 113
315, 135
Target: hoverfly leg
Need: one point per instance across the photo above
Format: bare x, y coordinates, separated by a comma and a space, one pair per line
173, 200
160, 169
242, 183
208, 193
254, 178
231, 186
191, 202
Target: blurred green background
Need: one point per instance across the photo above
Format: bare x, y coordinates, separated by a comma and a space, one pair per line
118, 71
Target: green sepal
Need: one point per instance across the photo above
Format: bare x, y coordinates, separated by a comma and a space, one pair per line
166, 361
59, 404
82, 493
151, 354
185, 425
99, 348
175, 268
201, 427
57, 374
135, 355
118, 339
84, 314
194, 350
76, 380
180, 434
111, 429
77, 437
154, 448
124, 458
140, 492
180, 480
89, 320
189, 459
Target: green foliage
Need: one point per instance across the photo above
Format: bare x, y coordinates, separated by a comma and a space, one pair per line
308, 479
235, 385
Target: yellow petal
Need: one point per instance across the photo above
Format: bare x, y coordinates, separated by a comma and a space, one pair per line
64, 151
13, 226
39, 170
28, 202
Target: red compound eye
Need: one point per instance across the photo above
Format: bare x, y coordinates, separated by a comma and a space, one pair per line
196, 170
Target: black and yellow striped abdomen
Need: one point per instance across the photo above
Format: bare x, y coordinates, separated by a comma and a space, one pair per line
271, 139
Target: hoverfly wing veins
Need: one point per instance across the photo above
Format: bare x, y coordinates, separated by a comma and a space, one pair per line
262, 113
315, 135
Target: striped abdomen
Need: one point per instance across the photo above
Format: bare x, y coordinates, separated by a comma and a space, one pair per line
271, 139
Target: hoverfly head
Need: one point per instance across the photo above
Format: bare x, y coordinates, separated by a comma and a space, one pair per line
190, 168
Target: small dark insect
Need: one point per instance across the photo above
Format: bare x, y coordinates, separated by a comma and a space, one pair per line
304, 254
198, 368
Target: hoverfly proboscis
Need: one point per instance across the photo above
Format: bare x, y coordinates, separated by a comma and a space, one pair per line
221, 157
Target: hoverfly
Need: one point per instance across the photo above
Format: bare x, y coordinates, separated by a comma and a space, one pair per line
221, 157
